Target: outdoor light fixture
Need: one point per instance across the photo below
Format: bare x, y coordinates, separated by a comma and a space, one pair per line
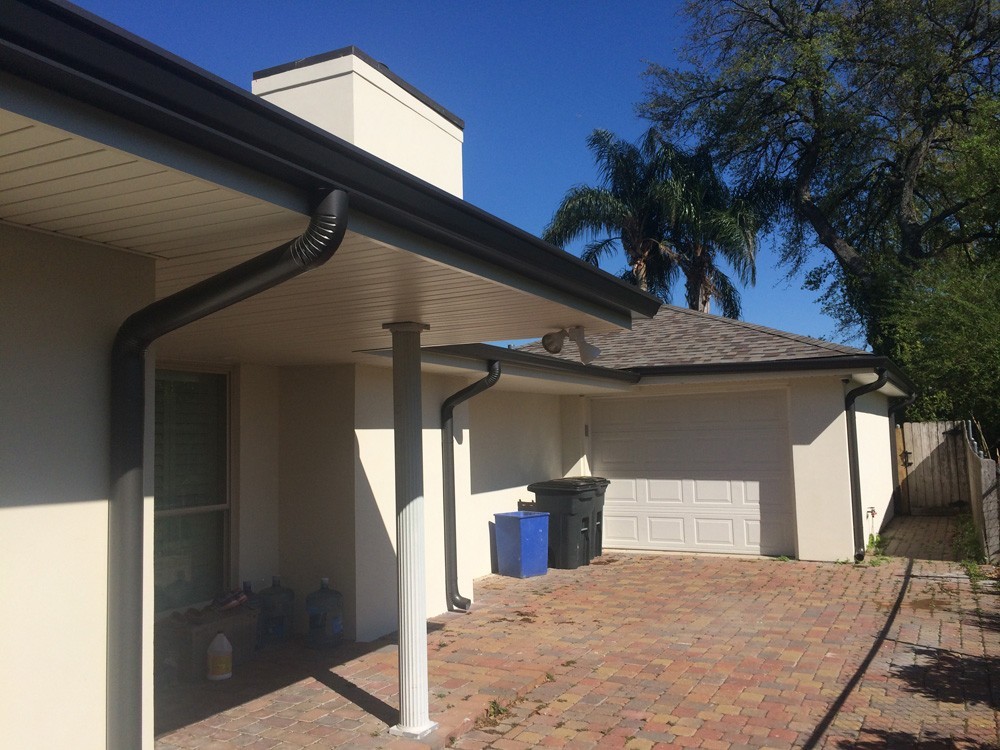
553, 343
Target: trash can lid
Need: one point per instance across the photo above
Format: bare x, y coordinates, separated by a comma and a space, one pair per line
568, 485
598, 481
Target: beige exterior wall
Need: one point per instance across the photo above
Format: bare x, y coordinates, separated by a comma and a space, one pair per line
575, 426
875, 459
256, 473
515, 439
61, 303
818, 430
349, 98
316, 512
375, 521
375, 503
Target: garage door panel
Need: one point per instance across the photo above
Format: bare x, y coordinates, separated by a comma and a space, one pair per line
715, 532
703, 473
621, 531
666, 530
621, 492
714, 492
665, 491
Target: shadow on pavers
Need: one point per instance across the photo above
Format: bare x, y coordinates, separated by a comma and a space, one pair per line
951, 677
880, 739
180, 704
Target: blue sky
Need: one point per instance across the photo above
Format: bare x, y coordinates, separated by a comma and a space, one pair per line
531, 80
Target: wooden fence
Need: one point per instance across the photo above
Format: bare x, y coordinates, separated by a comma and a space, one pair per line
933, 475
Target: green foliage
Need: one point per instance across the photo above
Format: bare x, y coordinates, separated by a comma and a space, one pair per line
945, 333
966, 543
671, 214
872, 124
876, 545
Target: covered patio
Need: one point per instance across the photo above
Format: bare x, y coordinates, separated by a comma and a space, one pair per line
653, 651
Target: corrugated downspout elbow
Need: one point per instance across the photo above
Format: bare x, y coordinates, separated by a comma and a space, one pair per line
128, 387
853, 461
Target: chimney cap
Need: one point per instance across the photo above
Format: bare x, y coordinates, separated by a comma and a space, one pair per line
382, 68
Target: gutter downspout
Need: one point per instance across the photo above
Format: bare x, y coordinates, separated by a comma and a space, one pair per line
456, 602
852, 453
128, 385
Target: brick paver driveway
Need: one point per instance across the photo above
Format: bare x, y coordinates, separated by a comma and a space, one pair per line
646, 651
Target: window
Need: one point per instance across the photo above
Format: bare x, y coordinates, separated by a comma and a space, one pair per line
192, 487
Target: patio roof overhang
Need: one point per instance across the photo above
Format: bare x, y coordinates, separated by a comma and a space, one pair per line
145, 152
106, 139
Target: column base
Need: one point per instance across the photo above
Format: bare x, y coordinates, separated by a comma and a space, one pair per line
413, 733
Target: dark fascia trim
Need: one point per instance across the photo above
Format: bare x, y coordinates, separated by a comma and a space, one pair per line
61, 47
381, 67
850, 362
527, 360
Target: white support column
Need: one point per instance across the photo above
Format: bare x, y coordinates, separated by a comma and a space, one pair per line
414, 701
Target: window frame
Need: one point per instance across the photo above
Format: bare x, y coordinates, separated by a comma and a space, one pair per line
228, 508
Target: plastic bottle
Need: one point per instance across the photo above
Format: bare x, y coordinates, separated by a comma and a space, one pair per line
255, 602
220, 658
276, 610
325, 609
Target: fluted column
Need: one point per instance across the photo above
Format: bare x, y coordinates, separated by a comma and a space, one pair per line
414, 710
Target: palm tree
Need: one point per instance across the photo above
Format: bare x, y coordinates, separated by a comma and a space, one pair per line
671, 214
710, 222
632, 209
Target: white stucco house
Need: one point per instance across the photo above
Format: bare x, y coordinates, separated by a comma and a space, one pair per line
170, 428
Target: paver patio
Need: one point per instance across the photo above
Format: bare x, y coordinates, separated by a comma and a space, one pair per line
653, 651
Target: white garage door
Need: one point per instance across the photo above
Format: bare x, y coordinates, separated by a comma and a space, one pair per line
699, 473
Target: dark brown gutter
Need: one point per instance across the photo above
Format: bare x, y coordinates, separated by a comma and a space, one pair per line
66, 49
126, 521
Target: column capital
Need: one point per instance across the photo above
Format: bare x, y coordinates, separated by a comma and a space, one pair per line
406, 326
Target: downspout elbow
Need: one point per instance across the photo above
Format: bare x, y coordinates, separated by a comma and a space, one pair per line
853, 461
128, 385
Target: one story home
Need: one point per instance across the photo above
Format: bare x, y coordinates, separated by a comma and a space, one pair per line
736, 438
230, 322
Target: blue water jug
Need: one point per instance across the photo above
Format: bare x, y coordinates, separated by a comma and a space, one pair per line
325, 608
255, 602
276, 607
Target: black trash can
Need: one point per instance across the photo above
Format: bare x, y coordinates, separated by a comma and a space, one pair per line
597, 524
570, 505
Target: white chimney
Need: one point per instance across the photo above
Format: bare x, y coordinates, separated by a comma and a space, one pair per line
349, 94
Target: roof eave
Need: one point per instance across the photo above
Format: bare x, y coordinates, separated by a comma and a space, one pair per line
528, 361
57, 45
847, 363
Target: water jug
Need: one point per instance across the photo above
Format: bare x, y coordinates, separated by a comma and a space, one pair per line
220, 658
326, 620
254, 601
276, 606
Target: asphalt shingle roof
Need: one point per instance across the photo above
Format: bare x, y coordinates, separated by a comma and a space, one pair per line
681, 337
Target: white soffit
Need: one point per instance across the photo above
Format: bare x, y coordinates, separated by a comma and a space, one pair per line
55, 181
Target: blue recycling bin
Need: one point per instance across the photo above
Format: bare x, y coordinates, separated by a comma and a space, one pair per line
522, 543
